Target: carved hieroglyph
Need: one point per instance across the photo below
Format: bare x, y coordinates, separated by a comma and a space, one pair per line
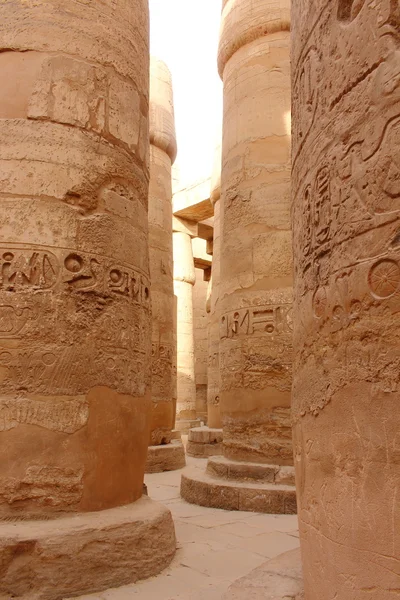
213, 377
162, 156
346, 192
255, 297
74, 276
184, 280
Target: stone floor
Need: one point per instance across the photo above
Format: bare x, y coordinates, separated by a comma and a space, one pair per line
215, 547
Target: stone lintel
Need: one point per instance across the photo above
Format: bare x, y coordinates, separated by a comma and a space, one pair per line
185, 226
193, 202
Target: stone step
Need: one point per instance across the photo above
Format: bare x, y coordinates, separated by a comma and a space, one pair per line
199, 487
225, 468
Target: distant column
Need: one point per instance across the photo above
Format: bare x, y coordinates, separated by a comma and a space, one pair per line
184, 280
213, 391
346, 394
162, 455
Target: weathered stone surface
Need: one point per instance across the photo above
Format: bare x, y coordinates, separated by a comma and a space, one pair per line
346, 191
199, 487
166, 457
204, 442
255, 295
75, 332
220, 466
50, 560
162, 156
74, 293
280, 578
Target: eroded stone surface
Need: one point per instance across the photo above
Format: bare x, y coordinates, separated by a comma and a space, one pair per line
50, 560
346, 175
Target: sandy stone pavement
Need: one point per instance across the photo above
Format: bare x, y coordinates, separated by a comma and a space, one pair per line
215, 547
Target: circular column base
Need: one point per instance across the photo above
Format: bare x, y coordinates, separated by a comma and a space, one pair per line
184, 425
204, 442
232, 485
280, 578
85, 553
167, 457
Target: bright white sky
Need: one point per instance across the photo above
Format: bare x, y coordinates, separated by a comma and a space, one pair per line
184, 34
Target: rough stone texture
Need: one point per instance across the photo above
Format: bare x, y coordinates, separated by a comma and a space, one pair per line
222, 467
48, 560
184, 279
255, 296
74, 291
200, 321
162, 156
278, 579
346, 191
204, 442
199, 487
213, 376
168, 457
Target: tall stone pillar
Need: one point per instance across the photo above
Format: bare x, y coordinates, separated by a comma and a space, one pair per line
162, 454
206, 441
346, 191
184, 280
74, 300
255, 298
213, 392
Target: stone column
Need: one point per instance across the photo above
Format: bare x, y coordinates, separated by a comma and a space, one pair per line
162, 455
255, 297
346, 191
213, 407
74, 300
184, 280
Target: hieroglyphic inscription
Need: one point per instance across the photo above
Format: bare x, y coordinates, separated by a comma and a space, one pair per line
349, 9
271, 319
27, 269
66, 416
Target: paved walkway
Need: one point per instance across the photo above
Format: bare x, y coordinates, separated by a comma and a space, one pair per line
215, 547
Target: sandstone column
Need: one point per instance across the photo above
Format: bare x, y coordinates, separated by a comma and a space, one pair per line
255, 297
206, 441
184, 280
162, 455
213, 408
346, 191
74, 300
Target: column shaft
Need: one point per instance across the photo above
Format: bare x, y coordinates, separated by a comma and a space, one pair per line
346, 192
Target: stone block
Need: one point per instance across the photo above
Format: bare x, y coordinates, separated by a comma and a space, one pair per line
166, 457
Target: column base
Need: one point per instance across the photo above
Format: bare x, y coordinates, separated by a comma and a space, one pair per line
204, 442
184, 425
234, 485
167, 457
85, 553
280, 578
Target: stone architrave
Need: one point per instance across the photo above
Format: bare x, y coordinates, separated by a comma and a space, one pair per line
255, 291
163, 385
184, 280
346, 394
75, 401
213, 383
